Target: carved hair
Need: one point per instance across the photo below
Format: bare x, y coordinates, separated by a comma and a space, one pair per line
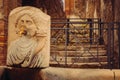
38, 17
22, 16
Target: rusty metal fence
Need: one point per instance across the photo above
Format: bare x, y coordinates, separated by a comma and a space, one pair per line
85, 43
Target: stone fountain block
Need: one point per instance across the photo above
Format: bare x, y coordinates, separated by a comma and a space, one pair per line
52, 73
76, 74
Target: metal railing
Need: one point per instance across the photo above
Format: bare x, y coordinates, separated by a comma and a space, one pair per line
85, 43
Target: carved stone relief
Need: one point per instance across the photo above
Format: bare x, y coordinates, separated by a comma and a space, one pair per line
28, 38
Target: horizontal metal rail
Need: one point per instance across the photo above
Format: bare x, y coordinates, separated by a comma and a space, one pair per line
80, 40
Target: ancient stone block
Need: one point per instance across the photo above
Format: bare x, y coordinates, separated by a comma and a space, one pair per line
28, 38
10, 73
76, 74
116, 74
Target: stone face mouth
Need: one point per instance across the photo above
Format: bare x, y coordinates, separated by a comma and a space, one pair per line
24, 32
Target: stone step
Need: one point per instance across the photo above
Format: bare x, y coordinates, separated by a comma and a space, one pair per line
78, 53
80, 56
80, 65
81, 40
75, 42
79, 47
79, 59
81, 44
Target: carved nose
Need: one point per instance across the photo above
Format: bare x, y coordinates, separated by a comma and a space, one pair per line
23, 30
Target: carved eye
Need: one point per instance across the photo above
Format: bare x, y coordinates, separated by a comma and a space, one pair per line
22, 21
28, 22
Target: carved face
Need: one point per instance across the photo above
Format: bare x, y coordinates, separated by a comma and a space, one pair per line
26, 26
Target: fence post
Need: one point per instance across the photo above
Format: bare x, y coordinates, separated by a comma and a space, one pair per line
91, 30
66, 40
67, 34
101, 41
112, 45
109, 45
119, 44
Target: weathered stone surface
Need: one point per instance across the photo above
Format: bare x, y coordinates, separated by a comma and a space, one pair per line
28, 38
80, 8
59, 74
116, 74
76, 74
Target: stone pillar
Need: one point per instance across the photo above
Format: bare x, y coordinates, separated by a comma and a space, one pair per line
90, 8
80, 8
69, 7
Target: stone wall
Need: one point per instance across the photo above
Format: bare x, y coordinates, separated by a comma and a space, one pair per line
80, 8
2, 43
87, 8
1, 9
2, 35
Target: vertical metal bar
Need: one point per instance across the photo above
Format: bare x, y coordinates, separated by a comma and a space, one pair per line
100, 32
68, 20
90, 35
119, 44
112, 44
109, 45
66, 41
100, 27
